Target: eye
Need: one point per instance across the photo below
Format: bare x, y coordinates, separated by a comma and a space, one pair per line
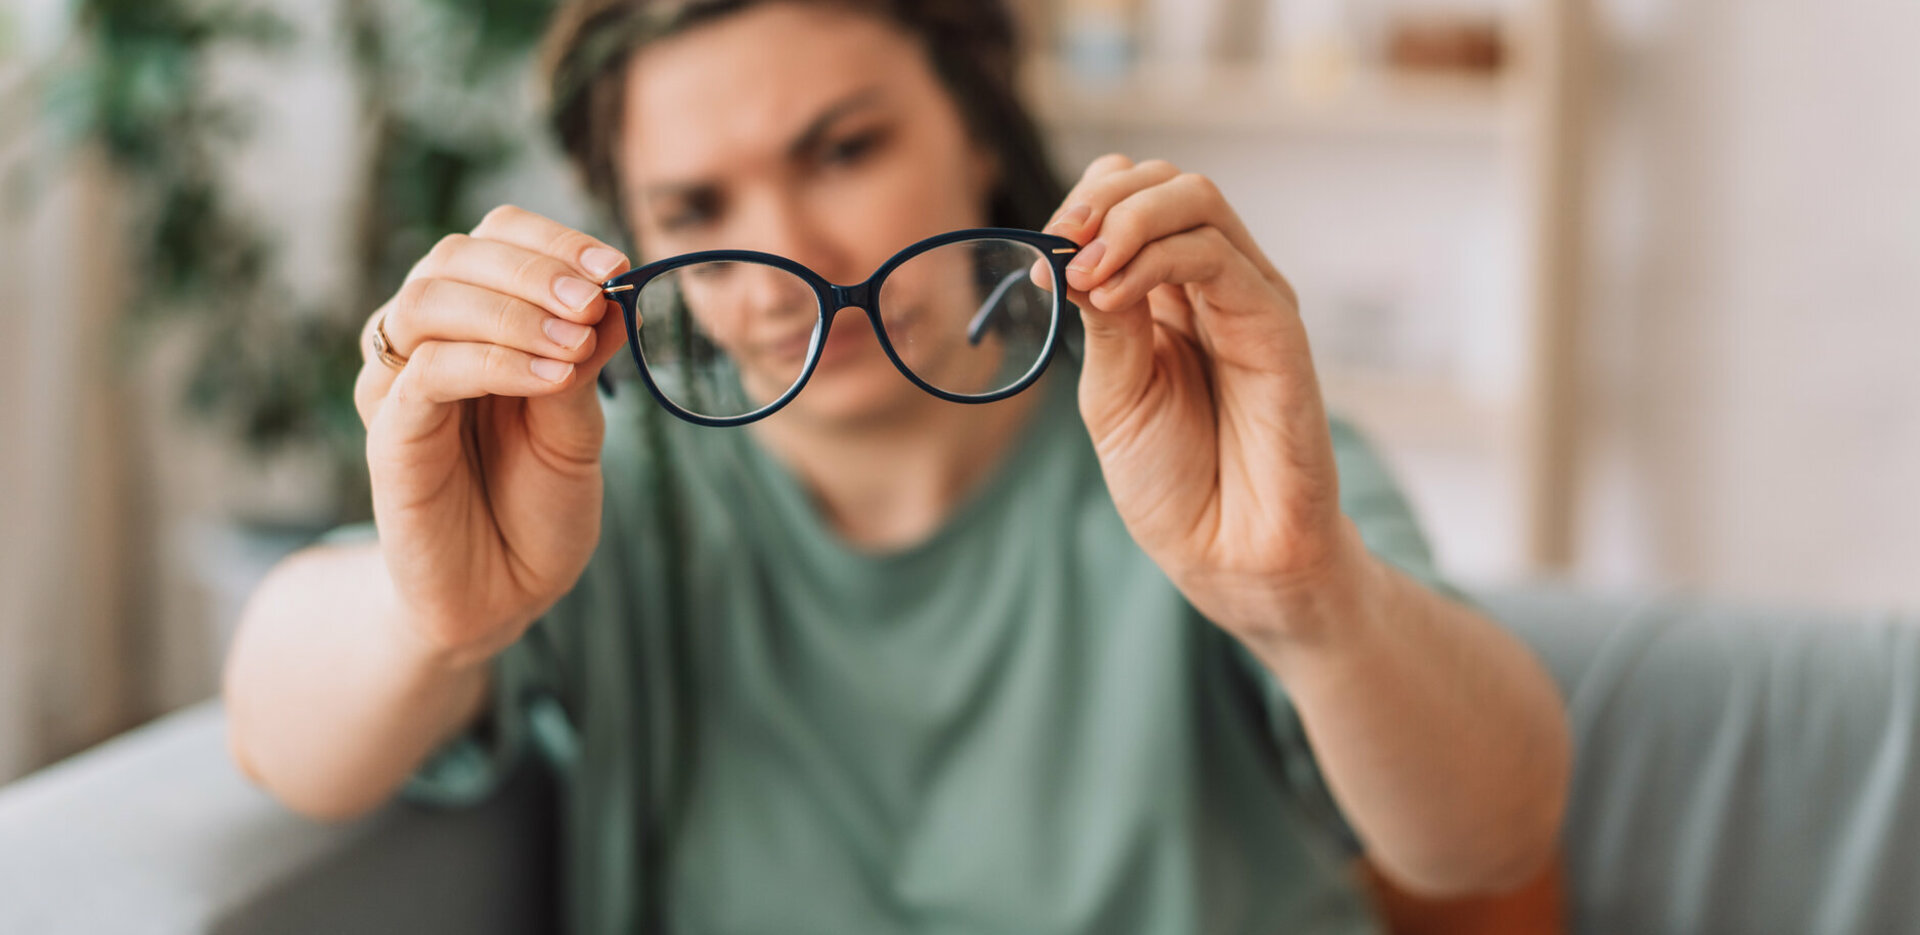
689, 213
850, 150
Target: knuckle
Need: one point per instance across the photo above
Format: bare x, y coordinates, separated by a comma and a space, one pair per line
534, 273
568, 244
1158, 167
445, 250
501, 318
367, 390
1202, 186
429, 358
406, 384
1123, 223
495, 363
413, 296
501, 216
1110, 162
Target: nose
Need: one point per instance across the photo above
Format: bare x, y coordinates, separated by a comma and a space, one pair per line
786, 226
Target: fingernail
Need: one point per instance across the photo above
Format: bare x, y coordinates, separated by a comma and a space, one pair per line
575, 293
1075, 216
552, 371
601, 261
1089, 258
566, 333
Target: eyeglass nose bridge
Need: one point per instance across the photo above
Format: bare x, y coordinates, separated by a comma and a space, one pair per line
857, 296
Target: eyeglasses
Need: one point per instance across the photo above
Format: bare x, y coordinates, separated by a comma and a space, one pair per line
728, 337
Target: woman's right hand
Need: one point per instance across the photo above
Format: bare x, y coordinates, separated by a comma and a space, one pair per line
484, 448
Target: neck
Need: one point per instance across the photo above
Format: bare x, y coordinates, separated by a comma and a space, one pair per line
889, 483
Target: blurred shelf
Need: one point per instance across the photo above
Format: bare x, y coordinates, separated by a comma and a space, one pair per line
1532, 118
1251, 97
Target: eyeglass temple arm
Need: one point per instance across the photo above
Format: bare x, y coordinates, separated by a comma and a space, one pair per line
977, 328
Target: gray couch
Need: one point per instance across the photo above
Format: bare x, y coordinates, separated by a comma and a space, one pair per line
1739, 771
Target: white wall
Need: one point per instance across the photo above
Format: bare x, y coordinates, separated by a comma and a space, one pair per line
1752, 346
63, 551
1756, 335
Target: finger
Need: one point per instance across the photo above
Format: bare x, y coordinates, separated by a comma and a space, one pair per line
610, 339
370, 387
574, 414
510, 269
444, 372
523, 228
1087, 205
1175, 205
433, 309
1042, 274
1098, 169
1117, 365
375, 376
1207, 203
1195, 256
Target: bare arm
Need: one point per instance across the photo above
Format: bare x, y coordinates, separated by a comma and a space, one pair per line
331, 701
1442, 737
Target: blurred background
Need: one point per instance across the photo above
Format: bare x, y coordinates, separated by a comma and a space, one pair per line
1628, 290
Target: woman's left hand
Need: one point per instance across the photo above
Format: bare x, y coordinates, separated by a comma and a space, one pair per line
1200, 396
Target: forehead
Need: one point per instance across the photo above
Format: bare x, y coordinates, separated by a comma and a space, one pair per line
740, 87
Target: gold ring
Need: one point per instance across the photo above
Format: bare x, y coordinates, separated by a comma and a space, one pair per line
383, 345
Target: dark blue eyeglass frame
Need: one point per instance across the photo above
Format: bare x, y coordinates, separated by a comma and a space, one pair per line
832, 298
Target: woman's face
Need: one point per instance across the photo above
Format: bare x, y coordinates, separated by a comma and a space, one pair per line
810, 132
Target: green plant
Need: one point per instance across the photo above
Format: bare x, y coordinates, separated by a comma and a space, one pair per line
443, 87
138, 84
135, 85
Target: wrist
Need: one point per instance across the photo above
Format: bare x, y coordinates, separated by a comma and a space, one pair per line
443, 639
429, 647
1331, 611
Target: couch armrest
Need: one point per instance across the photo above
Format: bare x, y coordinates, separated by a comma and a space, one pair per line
156, 832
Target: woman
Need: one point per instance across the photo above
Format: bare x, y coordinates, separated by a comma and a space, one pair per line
882, 661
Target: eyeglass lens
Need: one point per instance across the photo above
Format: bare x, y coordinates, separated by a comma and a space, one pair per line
724, 339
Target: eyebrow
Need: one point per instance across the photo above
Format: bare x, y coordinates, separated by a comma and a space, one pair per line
807, 140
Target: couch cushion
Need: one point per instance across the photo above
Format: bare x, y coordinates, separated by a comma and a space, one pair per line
1738, 770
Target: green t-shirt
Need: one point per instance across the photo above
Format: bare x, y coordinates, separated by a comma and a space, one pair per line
1018, 725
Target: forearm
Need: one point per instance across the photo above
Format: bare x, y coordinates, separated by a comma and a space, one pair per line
331, 703
1441, 736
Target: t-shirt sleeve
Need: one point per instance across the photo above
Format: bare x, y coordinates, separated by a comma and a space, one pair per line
1373, 501
522, 716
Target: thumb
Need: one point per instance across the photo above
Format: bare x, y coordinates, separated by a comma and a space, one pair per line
1119, 360
570, 422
